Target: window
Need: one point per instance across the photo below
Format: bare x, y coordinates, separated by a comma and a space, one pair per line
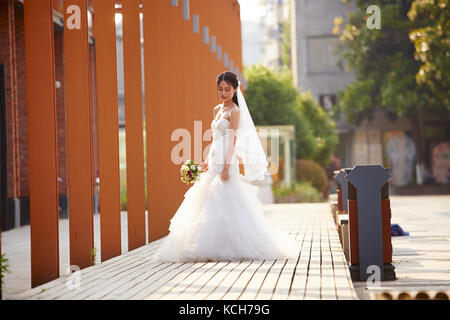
219, 52
206, 35
321, 54
213, 43
196, 23
225, 59
185, 9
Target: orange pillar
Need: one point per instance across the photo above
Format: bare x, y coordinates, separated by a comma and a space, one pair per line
203, 57
133, 124
177, 106
239, 39
108, 128
198, 68
216, 21
190, 80
40, 77
78, 136
162, 175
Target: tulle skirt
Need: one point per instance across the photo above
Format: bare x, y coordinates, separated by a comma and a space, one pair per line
223, 221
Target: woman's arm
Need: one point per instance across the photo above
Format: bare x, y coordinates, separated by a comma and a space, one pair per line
231, 138
215, 110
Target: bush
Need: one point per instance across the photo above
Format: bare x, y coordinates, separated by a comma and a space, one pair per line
296, 192
4, 267
309, 171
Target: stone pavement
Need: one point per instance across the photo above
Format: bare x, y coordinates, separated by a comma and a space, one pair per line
318, 272
422, 260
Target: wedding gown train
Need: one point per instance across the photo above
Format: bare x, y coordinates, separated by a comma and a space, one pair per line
223, 220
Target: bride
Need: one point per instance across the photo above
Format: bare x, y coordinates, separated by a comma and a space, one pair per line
221, 217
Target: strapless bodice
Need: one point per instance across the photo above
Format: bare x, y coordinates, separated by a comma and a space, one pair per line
218, 147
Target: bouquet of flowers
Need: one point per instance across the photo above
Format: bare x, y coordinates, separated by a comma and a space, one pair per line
190, 172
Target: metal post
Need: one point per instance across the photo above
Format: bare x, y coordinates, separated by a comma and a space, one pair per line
368, 181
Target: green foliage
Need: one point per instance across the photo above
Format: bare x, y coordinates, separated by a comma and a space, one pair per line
384, 65
270, 95
92, 255
296, 192
123, 190
432, 44
311, 172
320, 129
286, 48
273, 100
4, 267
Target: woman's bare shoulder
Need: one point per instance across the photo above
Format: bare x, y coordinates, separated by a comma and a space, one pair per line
216, 109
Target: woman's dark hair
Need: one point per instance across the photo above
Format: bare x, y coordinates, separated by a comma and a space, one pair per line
232, 80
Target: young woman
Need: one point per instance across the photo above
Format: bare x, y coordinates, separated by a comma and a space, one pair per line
221, 217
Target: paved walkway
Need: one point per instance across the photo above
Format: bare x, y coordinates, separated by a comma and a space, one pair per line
319, 271
422, 259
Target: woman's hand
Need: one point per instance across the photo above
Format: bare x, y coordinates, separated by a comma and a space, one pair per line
224, 174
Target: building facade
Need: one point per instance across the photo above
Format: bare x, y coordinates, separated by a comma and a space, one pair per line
317, 66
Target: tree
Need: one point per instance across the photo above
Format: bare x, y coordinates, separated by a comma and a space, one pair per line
321, 127
273, 100
385, 67
384, 64
432, 44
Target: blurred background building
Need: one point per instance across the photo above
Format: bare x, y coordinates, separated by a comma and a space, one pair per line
316, 66
416, 157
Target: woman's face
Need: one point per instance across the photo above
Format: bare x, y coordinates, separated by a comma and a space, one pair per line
225, 91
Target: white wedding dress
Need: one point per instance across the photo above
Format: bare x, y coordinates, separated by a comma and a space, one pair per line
223, 220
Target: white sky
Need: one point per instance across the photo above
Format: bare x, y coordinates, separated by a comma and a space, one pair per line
250, 10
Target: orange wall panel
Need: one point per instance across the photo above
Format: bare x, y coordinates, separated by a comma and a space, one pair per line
134, 124
40, 77
108, 128
78, 133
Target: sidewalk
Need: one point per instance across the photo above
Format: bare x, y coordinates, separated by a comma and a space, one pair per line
319, 271
422, 259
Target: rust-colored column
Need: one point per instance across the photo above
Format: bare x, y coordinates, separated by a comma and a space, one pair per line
215, 21
108, 128
162, 175
15, 146
134, 124
203, 48
40, 77
236, 33
3, 164
198, 77
239, 39
210, 75
78, 135
178, 92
